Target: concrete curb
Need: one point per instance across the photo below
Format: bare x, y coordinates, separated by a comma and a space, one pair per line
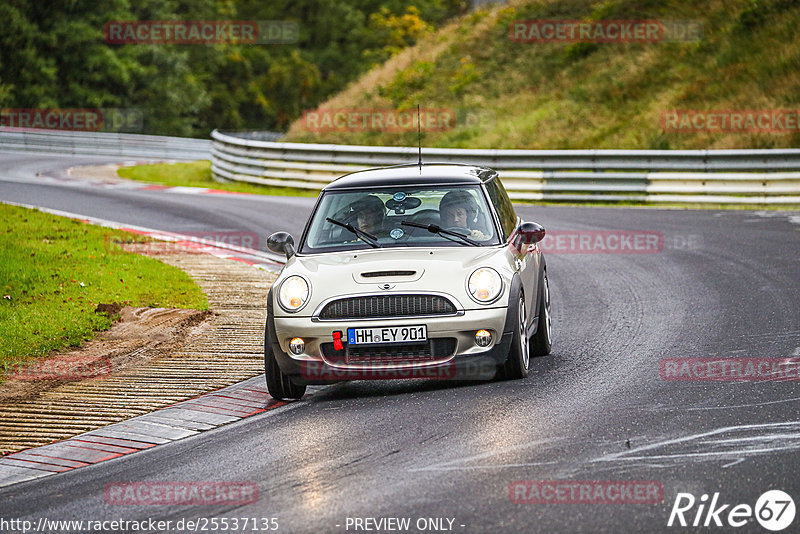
179, 421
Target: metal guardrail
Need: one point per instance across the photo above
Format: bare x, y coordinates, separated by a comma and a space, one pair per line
653, 176
104, 144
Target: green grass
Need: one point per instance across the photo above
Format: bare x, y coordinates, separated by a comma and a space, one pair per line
198, 174
583, 95
54, 272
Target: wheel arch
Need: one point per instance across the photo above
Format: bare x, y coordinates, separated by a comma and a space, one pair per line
513, 295
534, 326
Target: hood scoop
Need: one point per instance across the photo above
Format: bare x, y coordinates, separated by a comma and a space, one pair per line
388, 275
385, 274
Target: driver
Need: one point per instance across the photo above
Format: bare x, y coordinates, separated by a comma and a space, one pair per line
370, 212
458, 209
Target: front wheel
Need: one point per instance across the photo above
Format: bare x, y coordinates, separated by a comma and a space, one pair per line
279, 385
542, 340
518, 360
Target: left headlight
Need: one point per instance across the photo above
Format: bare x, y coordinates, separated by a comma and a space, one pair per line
294, 293
485, 285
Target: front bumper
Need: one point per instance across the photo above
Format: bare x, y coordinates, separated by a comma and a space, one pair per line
463, 360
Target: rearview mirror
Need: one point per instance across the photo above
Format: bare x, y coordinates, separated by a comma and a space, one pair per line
281, 243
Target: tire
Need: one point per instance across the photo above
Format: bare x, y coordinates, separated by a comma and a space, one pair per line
279, 385
518, 360
542, 340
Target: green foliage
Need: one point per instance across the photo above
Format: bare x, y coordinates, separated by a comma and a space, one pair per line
53, 55
465, 75
392, 33
407, 82
578, 51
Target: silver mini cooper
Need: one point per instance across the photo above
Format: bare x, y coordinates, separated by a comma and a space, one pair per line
412, 271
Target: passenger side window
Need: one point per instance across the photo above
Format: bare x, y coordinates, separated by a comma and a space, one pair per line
501, 202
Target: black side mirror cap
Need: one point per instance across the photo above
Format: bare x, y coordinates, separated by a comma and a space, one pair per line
531, 232
281, 243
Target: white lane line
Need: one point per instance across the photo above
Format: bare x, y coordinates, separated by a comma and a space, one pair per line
734, 407
763, 443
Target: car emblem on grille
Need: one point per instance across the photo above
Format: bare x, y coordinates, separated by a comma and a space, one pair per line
387, 286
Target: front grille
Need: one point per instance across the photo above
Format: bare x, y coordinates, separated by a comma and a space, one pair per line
433, 349
377, 306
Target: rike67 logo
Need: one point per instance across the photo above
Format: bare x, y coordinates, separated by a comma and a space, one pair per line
774, 510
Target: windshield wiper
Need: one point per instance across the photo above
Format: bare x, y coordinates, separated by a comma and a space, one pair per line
436, 229
366, 237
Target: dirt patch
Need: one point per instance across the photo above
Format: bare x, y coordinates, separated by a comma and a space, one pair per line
110, 310
106, 173
141, 335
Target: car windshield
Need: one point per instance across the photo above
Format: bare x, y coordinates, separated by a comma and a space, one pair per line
401, 217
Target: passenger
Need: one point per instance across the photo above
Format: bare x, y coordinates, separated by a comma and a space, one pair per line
458, 209
370, 212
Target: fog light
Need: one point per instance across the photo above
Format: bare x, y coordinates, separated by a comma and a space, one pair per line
483, 338
297, 345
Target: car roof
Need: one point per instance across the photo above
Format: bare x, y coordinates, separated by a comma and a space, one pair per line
414, 174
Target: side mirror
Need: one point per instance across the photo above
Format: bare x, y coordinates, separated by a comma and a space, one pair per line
531, 232
281, 243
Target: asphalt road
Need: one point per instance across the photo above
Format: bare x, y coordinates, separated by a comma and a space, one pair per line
726, 285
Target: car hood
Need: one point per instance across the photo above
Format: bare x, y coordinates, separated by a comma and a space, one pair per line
396, 270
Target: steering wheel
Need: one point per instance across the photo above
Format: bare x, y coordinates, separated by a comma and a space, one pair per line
426, 216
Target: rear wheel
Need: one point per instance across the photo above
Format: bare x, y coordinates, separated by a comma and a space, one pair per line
279, 385
541, 342
518, 360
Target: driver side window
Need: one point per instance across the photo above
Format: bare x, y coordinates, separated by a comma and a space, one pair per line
505, 210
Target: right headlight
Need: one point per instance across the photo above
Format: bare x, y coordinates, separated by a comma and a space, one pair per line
485, 285
294, 293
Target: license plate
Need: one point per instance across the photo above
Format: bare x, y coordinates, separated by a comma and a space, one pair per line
389, 334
